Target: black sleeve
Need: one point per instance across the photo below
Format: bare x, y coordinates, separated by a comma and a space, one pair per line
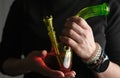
113, 32
10, 44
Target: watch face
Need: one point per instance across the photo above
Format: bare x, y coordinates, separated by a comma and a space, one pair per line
104, 65
101, 65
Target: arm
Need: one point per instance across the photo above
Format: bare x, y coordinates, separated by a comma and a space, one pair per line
85, 47
10, 44
113, 41
10, 57
79, 36
113, 71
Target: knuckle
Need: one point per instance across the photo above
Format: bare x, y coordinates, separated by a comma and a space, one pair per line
80, 21
70, 32
72, 24
68, 41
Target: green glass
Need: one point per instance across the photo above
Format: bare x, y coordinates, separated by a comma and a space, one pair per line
92, 11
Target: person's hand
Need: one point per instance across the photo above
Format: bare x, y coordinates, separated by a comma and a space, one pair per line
79, 36
36, 63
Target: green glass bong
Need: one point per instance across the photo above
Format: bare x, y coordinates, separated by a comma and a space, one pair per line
63, 52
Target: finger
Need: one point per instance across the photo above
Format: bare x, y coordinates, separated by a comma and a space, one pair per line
55, 73
80, 21
78, 38
44, 54
70, 42
73, 25
46, 71
70, 74
41, 54
77, 48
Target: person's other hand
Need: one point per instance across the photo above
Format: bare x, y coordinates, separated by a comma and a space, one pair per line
79, 36
36, 63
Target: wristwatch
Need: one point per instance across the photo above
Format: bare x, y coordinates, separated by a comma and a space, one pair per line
99, 62
104, 64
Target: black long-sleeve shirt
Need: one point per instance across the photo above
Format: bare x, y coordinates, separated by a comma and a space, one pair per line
25, 31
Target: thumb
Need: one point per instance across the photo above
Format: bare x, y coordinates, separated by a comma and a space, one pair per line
55, 74
44, 54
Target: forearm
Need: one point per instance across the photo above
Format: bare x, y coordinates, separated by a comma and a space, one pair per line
113, 71
14, 67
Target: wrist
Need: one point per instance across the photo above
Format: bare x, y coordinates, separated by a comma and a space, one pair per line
93, 54
99, 62
96, 54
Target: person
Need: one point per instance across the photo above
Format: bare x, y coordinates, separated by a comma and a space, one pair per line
95, 42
